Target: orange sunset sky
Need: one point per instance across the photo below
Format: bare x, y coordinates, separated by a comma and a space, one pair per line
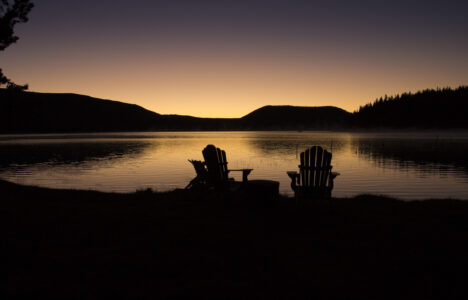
213, 60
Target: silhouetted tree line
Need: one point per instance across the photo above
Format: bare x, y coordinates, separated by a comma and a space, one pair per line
439, 108
12, 13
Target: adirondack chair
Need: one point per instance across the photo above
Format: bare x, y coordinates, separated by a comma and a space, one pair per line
218, 172
315, 178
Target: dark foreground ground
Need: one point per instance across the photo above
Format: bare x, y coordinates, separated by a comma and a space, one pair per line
82, 244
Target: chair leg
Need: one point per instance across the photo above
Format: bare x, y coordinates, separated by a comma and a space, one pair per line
299, 201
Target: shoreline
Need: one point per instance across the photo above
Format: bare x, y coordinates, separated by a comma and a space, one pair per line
178, 192
80, 244
411, 130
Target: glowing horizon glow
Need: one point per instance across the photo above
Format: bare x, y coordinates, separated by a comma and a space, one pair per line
217, 61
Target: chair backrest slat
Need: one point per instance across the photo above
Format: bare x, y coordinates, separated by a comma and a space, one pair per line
310, 156
318, 166
326, 168
223, 164
303, 178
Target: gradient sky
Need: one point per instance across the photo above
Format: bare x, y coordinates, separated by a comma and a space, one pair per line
227, 58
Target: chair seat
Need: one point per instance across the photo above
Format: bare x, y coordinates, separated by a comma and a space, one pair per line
311, 190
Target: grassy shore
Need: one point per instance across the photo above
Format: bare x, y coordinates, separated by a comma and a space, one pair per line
86, 244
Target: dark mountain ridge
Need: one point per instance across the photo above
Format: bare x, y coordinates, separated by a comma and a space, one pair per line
31, 112
47, 112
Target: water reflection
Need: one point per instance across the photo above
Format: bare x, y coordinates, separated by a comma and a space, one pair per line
70, 153
402, 165
285, 143
427, 155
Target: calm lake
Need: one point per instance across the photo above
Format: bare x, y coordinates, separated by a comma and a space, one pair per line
404, 165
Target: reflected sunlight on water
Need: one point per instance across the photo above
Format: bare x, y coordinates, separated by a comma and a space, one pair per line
409, 166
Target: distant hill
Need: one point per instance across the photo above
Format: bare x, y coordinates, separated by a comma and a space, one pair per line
29, 112
41, 112
296, 117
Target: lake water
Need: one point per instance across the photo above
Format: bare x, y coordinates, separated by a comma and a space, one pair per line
404, 165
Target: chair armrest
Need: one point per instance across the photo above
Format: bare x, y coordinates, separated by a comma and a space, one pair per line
294, 176
245, 173
332, 177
